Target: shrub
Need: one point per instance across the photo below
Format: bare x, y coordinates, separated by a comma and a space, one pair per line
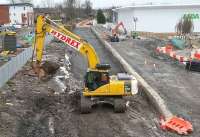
100, 17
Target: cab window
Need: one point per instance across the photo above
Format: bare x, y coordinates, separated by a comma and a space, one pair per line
94, 80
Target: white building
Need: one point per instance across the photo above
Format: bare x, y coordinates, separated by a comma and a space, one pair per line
18, 14
21, 13
157, 18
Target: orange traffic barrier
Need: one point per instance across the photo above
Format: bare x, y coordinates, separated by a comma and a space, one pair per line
169, 48
197, 55
176, 124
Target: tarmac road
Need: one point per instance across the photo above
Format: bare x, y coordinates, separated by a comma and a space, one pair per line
179, 88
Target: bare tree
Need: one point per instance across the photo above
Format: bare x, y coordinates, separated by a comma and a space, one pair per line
13, 1
110, 13
47, 3
184, 26
26, 1
70, 9
88, 7
178, 27
78, 9
20, 1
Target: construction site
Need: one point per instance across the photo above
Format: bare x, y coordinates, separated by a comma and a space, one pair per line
75, 69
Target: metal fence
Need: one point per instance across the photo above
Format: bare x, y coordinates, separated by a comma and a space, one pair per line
9, 69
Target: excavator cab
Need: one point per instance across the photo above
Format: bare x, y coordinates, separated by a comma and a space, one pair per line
96, 79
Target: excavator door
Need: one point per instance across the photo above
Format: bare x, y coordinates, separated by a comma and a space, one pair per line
96, 79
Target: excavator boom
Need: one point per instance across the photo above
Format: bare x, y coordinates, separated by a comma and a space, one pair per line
116, 29
45, 25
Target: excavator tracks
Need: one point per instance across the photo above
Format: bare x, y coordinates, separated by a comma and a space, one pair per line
85, 105
119, 105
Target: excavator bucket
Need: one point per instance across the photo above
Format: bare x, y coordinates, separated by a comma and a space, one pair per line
46, 68
178, 125
36, 69
50, 67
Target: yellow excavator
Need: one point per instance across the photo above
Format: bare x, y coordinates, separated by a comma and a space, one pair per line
99, 87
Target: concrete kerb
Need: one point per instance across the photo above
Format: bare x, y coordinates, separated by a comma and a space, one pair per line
152, 95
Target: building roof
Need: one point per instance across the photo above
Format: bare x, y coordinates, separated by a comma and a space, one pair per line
158, 6
18, 4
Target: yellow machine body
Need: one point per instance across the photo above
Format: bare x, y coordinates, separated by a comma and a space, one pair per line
113, 87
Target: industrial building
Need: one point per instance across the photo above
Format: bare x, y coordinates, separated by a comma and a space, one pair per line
156, 18
19, 14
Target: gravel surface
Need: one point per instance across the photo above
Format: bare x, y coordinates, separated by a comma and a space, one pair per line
178, 87
34, 108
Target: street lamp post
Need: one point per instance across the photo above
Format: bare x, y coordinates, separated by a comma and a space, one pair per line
135, 19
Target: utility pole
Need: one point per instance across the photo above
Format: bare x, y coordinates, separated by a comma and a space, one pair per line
135, 19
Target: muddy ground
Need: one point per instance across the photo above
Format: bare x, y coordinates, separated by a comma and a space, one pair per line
34, 108
178, 87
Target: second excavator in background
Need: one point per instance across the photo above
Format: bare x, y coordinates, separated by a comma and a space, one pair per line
116, 32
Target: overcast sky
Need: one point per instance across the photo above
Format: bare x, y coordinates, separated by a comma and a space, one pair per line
109, 3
